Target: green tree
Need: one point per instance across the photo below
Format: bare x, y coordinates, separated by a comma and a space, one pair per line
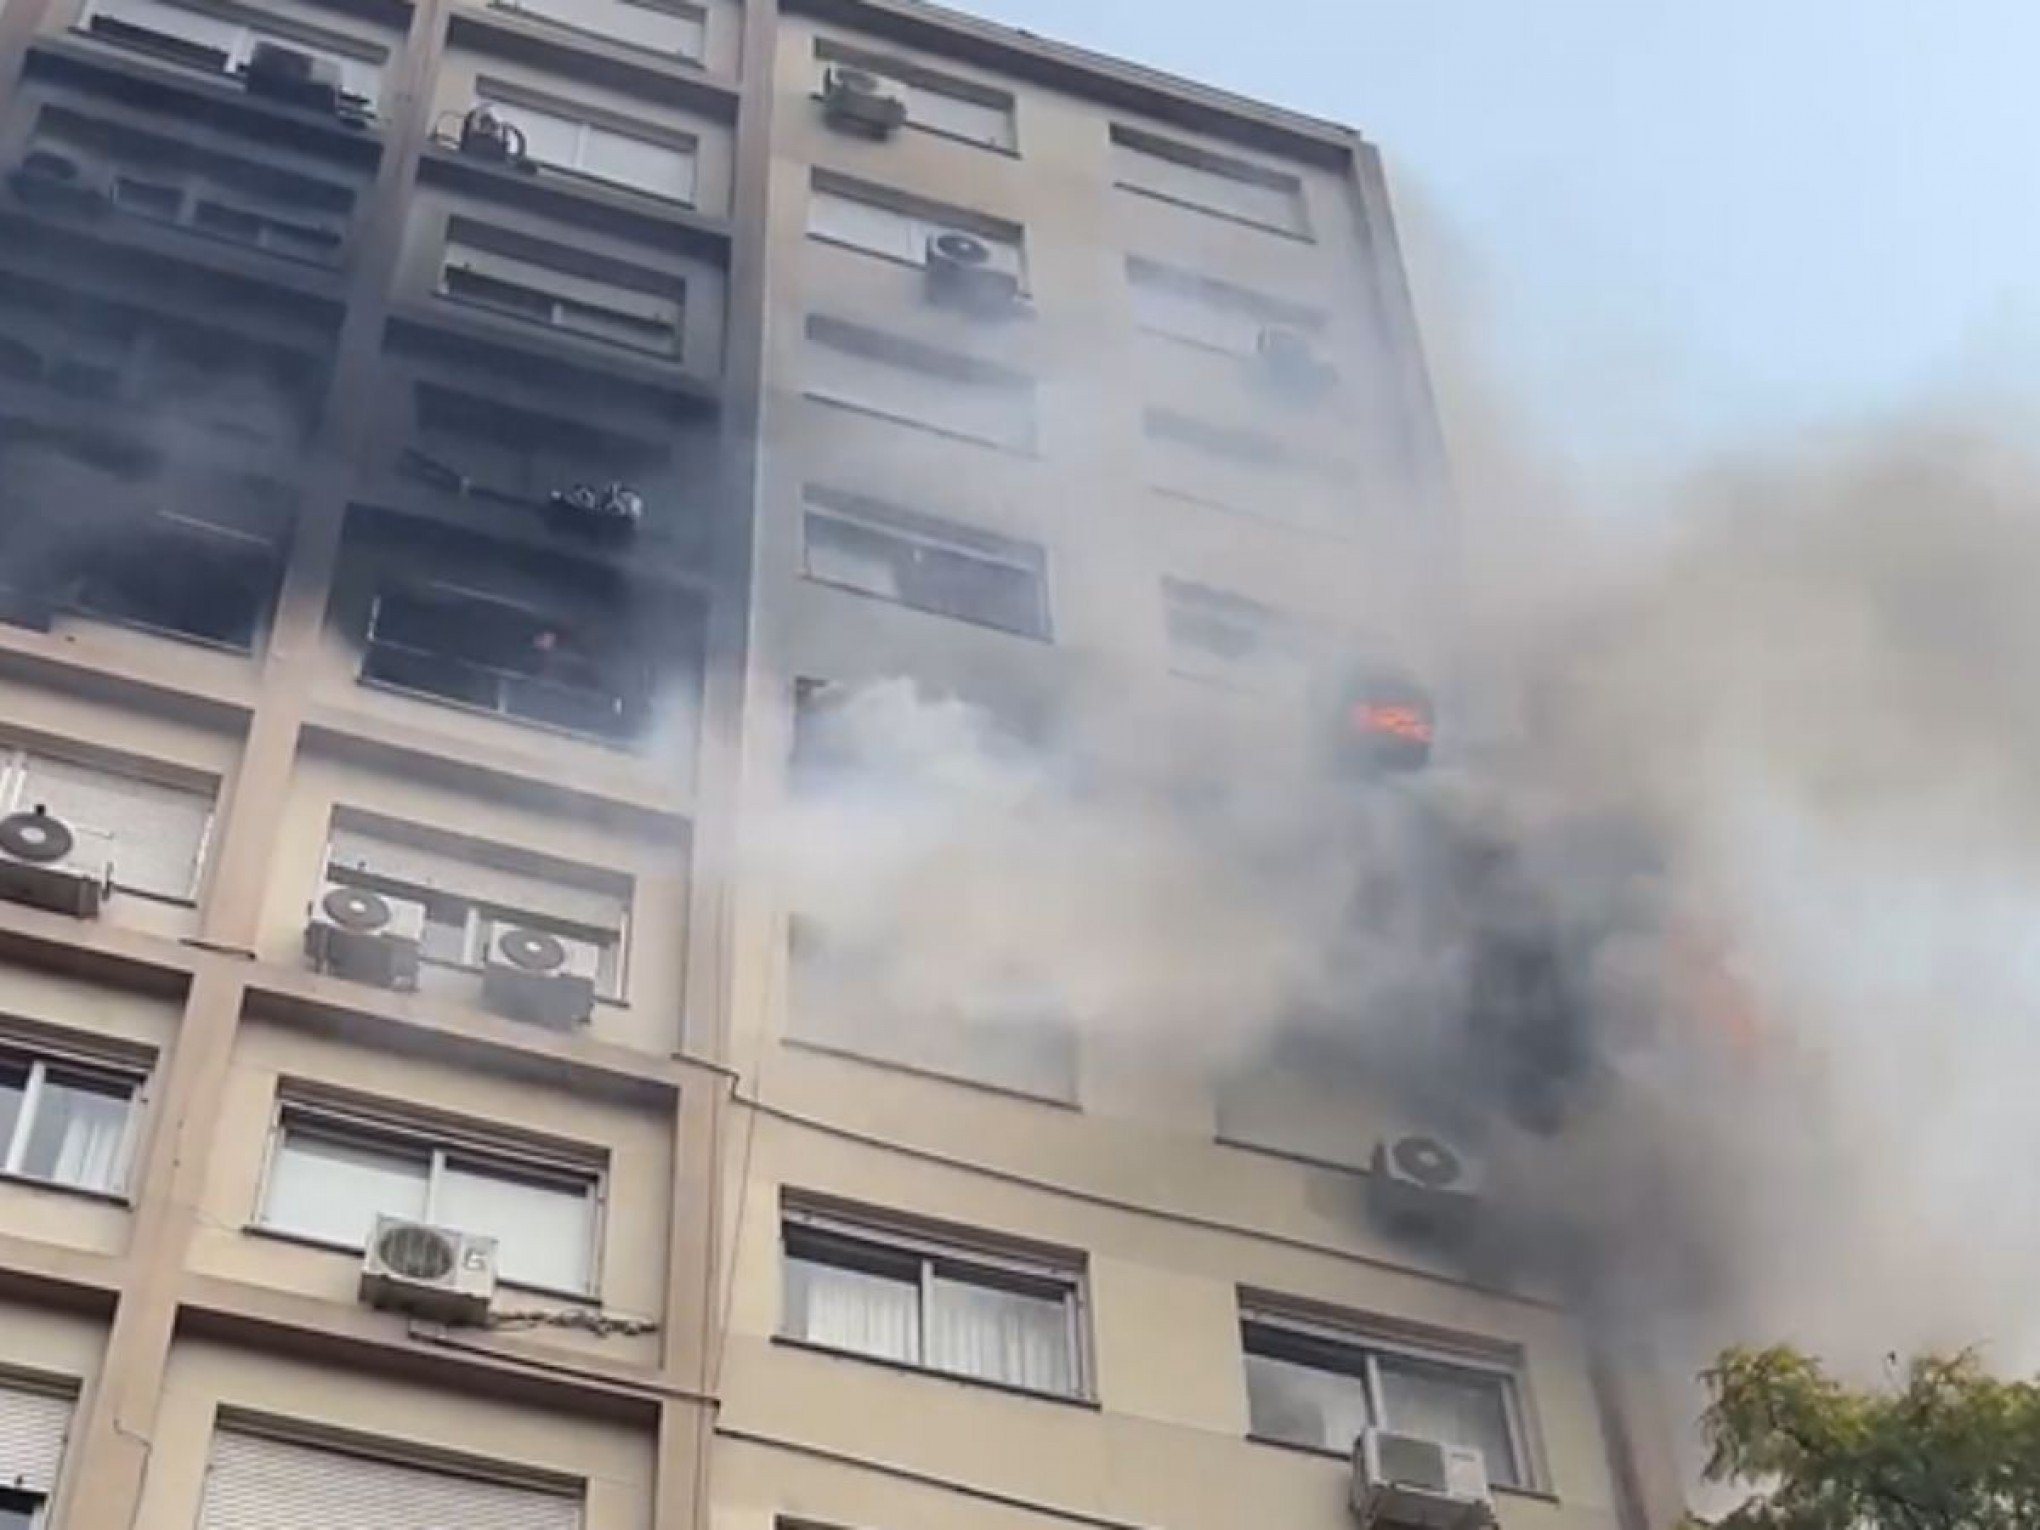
1942, 1446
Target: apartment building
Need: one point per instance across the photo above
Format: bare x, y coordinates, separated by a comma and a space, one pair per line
450, 451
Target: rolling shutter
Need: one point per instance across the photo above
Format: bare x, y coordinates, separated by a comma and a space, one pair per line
158, 831
32, 1426
474, 883
254, 1482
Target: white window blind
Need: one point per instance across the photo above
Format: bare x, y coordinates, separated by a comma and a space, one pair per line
658, 26
1210, 182
841, 217
845, 366
562, 141
934, 102
256, 1482
33, 1424
219, 42
646, 321
437, 871
158, 832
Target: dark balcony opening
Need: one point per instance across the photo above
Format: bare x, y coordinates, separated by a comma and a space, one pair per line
182, 578
166, 45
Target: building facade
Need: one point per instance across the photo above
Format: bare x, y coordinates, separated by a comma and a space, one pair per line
446, 448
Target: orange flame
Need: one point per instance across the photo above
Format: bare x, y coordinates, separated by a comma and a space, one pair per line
1395, 720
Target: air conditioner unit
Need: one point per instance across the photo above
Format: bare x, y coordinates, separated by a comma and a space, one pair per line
59, 183
1291, 364
294, 77
961, 275
1421, 1183
487, 137
366, 936
48, 863
610, 513
858, 101
1406, 1482
540, 978
430, 1272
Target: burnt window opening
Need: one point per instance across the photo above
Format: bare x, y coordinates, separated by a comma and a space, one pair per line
553, 668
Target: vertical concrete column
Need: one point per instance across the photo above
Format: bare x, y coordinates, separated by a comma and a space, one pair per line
116, 1419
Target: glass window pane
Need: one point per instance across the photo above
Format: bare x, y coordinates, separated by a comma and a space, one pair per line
13, 1086
974, 120
79, 1131
851, 1309
1008, 1336
544, 1230
321, 1187
1303, 1405
1456, 1406
841, 552
18, 1509
549, 139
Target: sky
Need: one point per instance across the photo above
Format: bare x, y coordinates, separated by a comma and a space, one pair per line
1671, 226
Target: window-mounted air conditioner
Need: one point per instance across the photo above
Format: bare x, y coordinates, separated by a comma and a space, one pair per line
961, 274
59, 183
51, 864
608, 513
1290, 363
1421, 1183
1406, 1482
430, 1272
540, 978
858, 101
367, 936
293, 77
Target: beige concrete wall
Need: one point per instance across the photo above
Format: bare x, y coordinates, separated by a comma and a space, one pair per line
615, 1462
637, 1146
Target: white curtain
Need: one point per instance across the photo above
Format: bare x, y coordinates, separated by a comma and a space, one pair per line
1304, 1405
849, 1309
1459, 1408
78, 1136
1000, 1335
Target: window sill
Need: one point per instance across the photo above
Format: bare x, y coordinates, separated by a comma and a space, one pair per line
79, 1192
1066, 1399
915, 1070
327, 1246
991, 443
1326, 1453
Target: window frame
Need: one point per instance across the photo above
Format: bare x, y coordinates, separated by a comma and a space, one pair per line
1353, 1347
16, 766
39, 1059
684, 10
378, 1132
253, 29
868, 1241
499, 93
912, 77
916, 531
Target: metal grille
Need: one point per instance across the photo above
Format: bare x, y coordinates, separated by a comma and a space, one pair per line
255, 1482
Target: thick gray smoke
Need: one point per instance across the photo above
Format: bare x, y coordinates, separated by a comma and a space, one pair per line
1714, 917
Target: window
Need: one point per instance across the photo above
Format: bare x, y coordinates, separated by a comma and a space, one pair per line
467, 900
154, 834
917, 384
642, 319
1225, 636
1009, 1318
1201, 311
660, 164
65, 1123
20, 1509
332, 1175
936, 103
178, 577
218, 40
930, 565
671, 27
34, 1420
481, 650
1320, 1388
878, 222
1020, 1039
1247, 447
1213, 183
259, 1478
